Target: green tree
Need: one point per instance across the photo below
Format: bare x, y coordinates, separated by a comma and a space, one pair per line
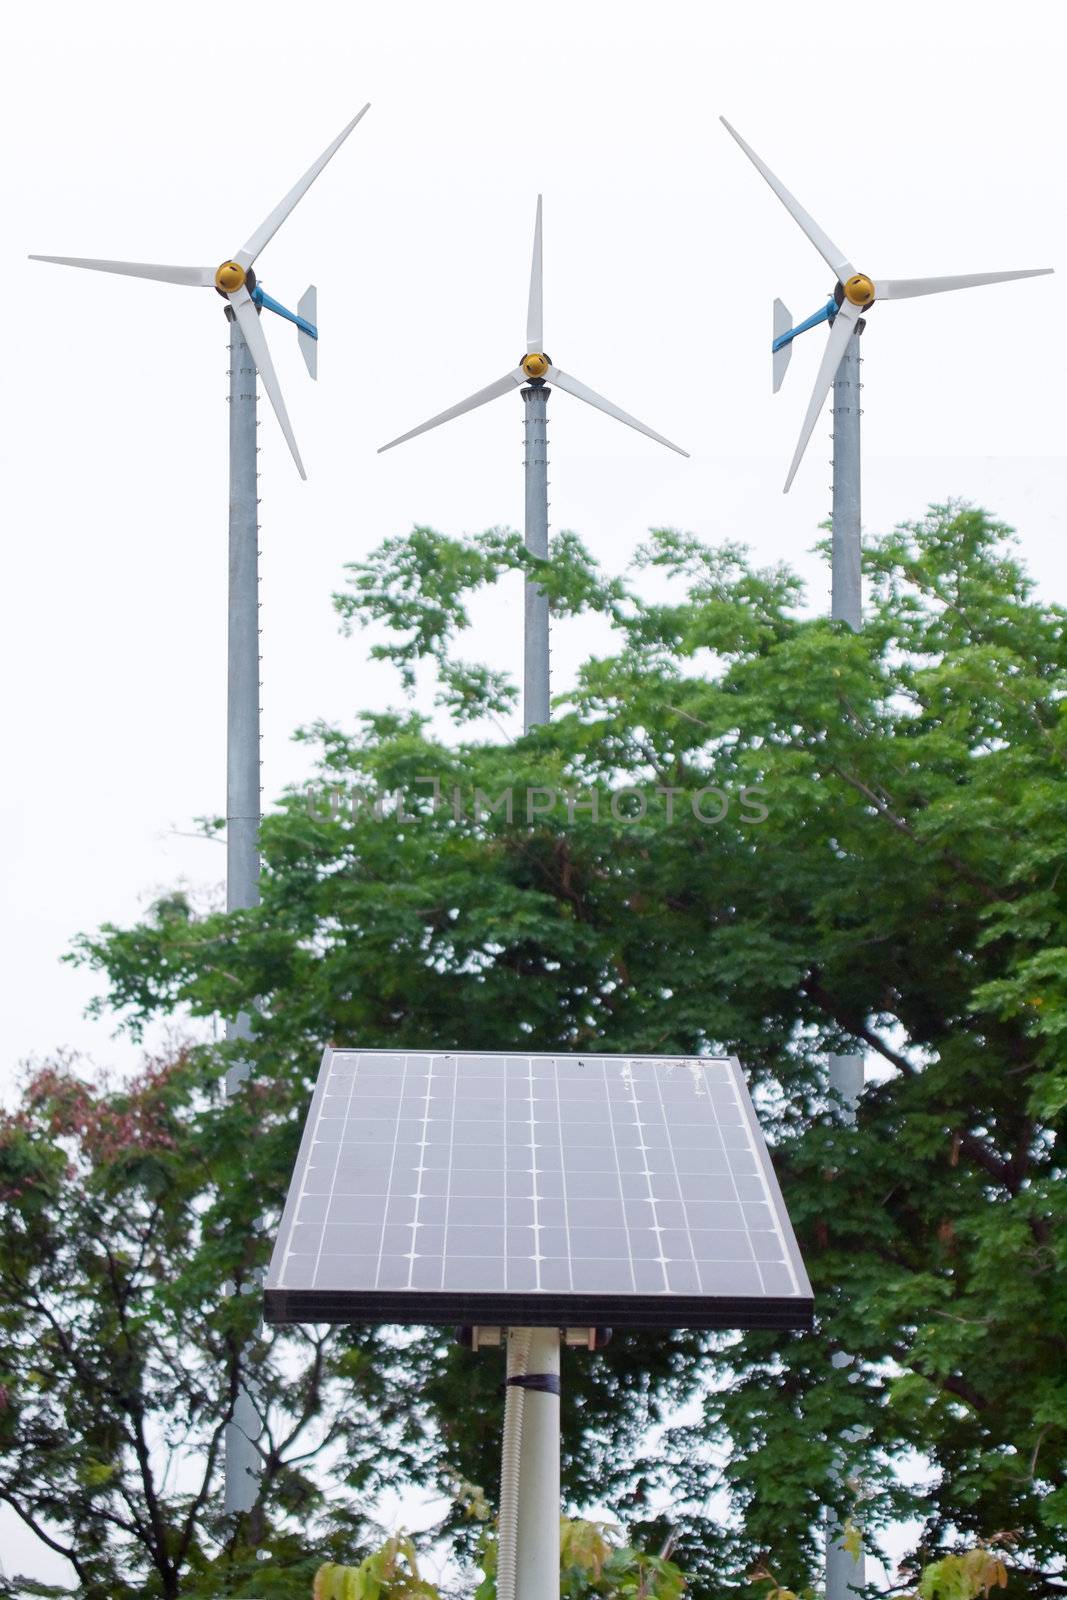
902, 895
127, 1208
595, 1564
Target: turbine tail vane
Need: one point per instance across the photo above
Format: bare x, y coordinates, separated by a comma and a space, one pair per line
783, 323
307, 308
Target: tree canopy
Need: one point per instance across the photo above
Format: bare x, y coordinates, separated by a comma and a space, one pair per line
831, 842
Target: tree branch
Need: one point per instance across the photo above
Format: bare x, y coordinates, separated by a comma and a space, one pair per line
53, 1544
883, 808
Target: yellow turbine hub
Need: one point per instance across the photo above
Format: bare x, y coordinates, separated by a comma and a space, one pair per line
859, 290
535, 365
230, 277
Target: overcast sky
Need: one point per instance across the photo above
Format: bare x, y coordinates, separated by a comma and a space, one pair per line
926, 138
926, 141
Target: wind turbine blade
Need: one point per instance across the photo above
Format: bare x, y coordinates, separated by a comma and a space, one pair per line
841, 332
501, 386
256, 340
834, 257
535, 316
909, 288
563, 380
266, 230
197, 277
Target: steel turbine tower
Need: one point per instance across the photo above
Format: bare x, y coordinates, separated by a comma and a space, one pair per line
236, 282
533, 376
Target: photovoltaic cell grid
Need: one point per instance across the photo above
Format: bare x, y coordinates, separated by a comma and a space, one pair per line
486, 1188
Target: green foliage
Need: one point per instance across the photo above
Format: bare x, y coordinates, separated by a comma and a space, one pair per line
593, 1562
416, 585
903, 896
124, 1211
391, 1573
963, 1577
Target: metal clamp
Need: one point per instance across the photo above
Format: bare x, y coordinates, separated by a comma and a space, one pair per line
543, 1382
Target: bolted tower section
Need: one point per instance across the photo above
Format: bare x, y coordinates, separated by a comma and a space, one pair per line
536, 658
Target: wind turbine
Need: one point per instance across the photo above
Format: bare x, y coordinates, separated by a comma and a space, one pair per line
854, 294
236, 282
536, 371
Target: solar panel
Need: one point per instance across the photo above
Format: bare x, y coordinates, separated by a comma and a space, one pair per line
630, 1191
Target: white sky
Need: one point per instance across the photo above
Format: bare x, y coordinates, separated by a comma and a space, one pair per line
926, 139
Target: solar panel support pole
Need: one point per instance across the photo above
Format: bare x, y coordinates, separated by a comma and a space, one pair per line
537, 1537
535, 647
844, 1572
846, 589
242, 792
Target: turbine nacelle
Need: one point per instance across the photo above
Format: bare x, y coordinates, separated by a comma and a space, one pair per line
535, 368
859, 291
230, 277
855, 292
535, 364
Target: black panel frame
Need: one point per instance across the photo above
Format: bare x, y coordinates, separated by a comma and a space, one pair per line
543, 1309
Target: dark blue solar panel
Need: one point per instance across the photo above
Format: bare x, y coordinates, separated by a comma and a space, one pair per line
535, 1188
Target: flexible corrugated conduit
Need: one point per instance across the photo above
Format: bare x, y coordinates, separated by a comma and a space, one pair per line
518, 1360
